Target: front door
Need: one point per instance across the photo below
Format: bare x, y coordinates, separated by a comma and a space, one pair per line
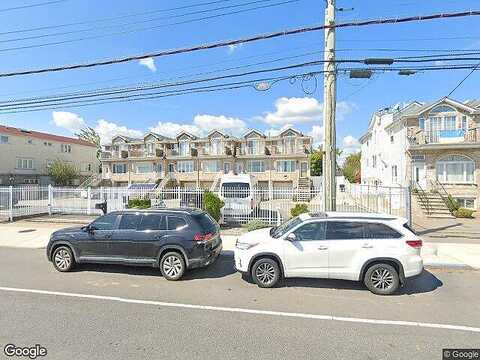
96, 242
419, 174
150, 236
303, 169
307, 255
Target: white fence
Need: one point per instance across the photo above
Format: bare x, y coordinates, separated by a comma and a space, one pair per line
270, 205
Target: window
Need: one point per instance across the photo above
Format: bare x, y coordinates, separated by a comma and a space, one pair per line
211, 166
381, 231
311, 231
342, 230
216, 147
3, 139
106, 222
119, 168
30, 181
24, 164
392, 139
153, 222
65, 148
394, 173
421, 123
184, 148
468, 203
464, 123
30, 142
253, 147
143, 168
176, 223
455, 169
235, 190
129, 221
185, 166
441, 109
208, 224
450, 122
256, 166
286, 165
86, 167
374, 161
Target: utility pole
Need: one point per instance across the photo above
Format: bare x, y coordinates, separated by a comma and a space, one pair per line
329, 104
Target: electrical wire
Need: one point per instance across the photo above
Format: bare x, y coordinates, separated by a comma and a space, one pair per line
463, 80
32, 5
242, 41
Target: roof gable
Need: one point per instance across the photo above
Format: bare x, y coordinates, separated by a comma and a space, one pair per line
183, 135
253, 134
290, 132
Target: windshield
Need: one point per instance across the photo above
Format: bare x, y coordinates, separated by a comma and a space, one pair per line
235, 190
285, 227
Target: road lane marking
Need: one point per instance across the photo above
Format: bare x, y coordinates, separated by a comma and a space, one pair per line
247, 311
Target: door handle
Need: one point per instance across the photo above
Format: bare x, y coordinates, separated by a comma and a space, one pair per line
108, 236
367, 246
323, 247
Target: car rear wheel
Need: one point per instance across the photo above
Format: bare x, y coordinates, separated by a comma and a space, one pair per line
172, 266
266, 273
63, 259
382, 279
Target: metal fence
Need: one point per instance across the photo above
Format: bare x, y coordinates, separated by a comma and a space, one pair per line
241, 204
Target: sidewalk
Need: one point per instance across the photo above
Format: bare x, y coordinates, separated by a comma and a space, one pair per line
32, 234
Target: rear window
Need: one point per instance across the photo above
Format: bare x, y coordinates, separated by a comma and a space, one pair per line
153, 222
207, 223
176, 223
235, 190
129, 222
381, 231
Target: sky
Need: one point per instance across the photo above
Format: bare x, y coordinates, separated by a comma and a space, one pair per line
297, 104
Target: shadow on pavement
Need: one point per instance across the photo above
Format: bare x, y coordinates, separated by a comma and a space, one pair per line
434, 230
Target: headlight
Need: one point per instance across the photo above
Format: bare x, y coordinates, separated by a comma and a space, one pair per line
244, 246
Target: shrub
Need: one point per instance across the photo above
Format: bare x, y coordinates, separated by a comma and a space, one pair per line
62, 172
452, 204
213, 204
139, 203
463, 213
255, 224
299, 209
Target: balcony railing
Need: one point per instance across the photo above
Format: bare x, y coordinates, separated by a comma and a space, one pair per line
106, 155
446, 137
287, 150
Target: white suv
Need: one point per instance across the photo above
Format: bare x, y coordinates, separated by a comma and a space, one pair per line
380, 250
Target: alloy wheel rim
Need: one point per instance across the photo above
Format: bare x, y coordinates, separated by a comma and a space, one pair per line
265, 273
63, 259
382, 279
172, 266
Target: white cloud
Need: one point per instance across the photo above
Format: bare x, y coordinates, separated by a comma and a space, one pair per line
149, 63
350, 145
317, 134
230, 125
171, 129
68, 120
303, 110
107, 130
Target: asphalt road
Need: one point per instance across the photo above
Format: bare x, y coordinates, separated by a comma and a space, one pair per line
106, 327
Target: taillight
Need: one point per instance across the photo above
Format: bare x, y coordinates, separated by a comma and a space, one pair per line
203, 237
416, 244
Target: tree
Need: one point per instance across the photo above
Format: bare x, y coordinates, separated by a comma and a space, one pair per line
352, 168
316, 163
89, 134
62, 172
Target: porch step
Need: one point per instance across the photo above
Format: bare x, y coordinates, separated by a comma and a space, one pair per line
441, 216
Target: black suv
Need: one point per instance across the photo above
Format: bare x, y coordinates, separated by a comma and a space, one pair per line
172, 239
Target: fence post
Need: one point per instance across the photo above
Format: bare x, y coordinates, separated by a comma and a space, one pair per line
408, 204
270, 198
50, 198
10, 202
390, 200
89, 201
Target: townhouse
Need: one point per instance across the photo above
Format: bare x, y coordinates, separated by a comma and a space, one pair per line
435, 147
26, 156
191, 161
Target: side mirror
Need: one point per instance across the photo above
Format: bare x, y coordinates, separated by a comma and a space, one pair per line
291, 237
90, 229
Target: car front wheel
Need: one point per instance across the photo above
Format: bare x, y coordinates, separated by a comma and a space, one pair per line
63, 259
266, 273
382, 279
172, 266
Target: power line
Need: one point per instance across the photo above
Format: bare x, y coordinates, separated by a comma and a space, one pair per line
112, 18
32, 5
139, 22
242, 41
150, 28
463, 80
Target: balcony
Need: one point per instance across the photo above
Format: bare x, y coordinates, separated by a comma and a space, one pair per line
288, 150
105, 155
458, 136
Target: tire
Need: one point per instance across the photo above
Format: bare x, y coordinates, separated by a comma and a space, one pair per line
63, 259
265, 273
382, 279
172, 266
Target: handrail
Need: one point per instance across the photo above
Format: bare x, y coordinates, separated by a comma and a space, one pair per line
422, 196
445, 196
